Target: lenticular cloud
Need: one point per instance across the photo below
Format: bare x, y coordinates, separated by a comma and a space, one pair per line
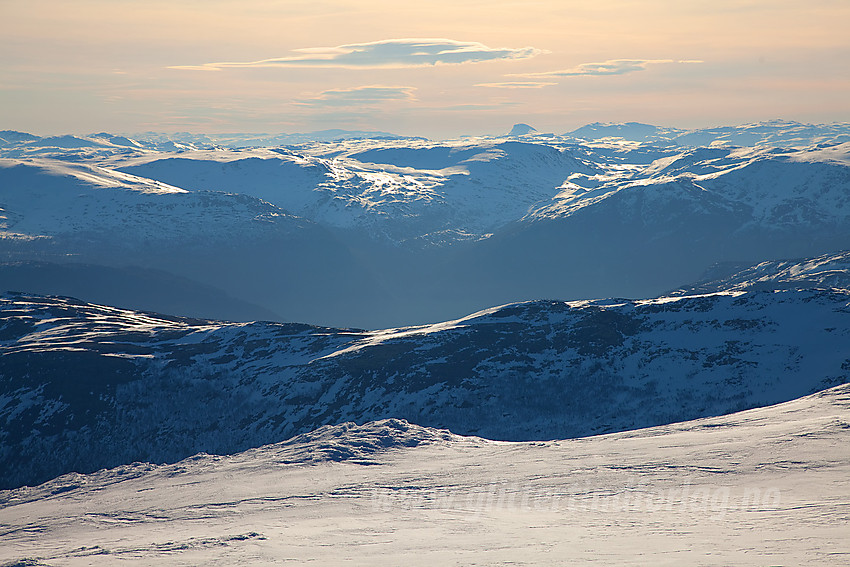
365, 95
389, 53
610, 67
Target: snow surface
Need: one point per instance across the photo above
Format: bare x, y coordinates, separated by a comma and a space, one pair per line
769, 486
46, 197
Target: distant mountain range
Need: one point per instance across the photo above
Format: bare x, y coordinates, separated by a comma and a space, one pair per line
375, 231
771, 133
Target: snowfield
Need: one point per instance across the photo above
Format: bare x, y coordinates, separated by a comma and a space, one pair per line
768, 486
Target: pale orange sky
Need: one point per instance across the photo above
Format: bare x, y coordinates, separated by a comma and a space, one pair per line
126, 66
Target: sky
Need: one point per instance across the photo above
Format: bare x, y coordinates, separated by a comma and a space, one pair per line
435, 68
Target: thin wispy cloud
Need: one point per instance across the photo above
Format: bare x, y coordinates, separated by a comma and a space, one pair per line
610, 67
391, 53
517, 85
360, 96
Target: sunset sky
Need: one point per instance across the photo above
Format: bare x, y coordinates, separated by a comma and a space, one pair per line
436, 68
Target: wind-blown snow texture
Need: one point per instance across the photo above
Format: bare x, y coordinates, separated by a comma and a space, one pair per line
87, 386
385, 231
767, 486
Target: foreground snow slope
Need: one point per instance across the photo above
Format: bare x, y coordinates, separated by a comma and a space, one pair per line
85, 386
769, 486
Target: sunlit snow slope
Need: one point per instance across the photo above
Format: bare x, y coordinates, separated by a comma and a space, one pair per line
769, 486
825, 271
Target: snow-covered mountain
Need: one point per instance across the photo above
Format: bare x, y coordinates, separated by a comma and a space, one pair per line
822, 272
402, 191
634, 131
782, 133
51, 198
249, 140
24, 144
58, 212
670, 221
390, 232
775, 188
86, 386
769, 483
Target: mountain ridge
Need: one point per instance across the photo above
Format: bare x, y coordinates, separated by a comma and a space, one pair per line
98, 383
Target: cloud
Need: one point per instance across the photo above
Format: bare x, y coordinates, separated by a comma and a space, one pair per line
360, 96
610, 67
390, 53
517, 85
